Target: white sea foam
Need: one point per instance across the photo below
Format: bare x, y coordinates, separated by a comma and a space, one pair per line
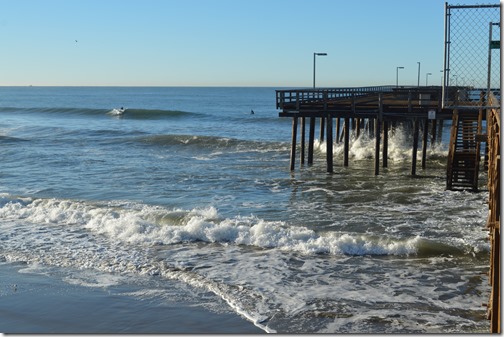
151, 225
399, 147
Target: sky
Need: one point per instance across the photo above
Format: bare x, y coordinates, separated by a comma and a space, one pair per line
220, 42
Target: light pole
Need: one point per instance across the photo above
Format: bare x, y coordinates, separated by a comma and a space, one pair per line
418, 74
314, 55
397, 75
427, 78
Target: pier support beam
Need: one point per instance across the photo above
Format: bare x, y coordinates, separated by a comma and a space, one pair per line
329, 144
377, 148
303, 131
385, 143
347, 142
415, 146
321, 136
377, 134
338, 129
311, 139
293, 143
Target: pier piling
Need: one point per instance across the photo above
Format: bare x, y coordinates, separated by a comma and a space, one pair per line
293, 143
385, 143
311, 139
303, 131
415, 146
329, 144
346, 142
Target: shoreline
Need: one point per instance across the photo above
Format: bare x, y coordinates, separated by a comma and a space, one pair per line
34, 303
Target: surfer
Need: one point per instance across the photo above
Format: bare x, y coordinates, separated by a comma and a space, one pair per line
251, 112
117, 111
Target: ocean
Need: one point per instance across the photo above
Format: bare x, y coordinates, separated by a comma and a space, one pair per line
187, 195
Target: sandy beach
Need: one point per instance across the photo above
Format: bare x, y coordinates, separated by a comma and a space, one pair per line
33, 303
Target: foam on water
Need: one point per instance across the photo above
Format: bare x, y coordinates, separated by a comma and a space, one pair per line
399, 147
266, 271
154, 225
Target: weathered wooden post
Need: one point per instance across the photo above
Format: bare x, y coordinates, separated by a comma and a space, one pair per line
378, 134
415, 146
358, 120
338, 129
385, 143
293, 143
347, 141
303, 131
329, 143
311, 139
321, 136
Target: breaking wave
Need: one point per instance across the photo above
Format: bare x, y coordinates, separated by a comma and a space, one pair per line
141, 224
132, 113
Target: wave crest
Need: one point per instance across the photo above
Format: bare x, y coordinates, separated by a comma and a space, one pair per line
132, 113
154, 225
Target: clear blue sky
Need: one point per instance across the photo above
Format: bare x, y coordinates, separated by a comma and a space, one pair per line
220, 42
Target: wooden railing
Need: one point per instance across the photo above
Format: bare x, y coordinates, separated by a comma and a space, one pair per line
494, 214
299, 96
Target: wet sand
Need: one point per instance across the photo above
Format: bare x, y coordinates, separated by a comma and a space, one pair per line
34, 303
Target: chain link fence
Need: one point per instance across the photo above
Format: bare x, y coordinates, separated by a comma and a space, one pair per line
472, 55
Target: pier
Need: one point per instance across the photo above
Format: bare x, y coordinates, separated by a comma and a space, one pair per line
368, 109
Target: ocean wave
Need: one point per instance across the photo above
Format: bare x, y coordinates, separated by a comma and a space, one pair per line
54, 110
141, 224
212, 143
132, 113
7, 139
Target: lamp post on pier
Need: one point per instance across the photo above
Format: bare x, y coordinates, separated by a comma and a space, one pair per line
314, 55
427, 78
397, 76
418, 84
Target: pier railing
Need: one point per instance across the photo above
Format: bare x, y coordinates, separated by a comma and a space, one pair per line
302, 96
494, 215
